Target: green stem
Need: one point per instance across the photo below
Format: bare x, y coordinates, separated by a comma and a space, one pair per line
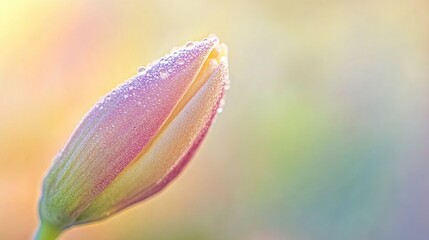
47, 231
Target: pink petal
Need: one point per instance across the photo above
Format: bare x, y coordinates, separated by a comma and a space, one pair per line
167, 156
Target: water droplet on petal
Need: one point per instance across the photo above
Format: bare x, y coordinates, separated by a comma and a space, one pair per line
180, 61
227, 84
219, 110
163, 74
222, 103
213, 37
141, 69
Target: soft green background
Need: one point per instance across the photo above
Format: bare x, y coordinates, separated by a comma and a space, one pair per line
324, 134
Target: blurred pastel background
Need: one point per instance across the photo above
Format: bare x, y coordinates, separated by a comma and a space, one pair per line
325, 134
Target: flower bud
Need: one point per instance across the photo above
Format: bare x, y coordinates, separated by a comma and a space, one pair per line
137, 138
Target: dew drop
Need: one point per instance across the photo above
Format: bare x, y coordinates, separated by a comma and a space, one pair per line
141, 69
189, 44
163, 74
219, 110
180, 61
227, 85
222, 102
213, 37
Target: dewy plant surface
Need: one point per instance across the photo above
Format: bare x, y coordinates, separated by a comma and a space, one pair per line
136, 139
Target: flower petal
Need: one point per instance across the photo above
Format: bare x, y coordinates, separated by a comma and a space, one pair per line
116, 130
170, 151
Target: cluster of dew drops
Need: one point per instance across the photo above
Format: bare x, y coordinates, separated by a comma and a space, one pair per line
175, 53
226, 87
180, 61
166, 67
